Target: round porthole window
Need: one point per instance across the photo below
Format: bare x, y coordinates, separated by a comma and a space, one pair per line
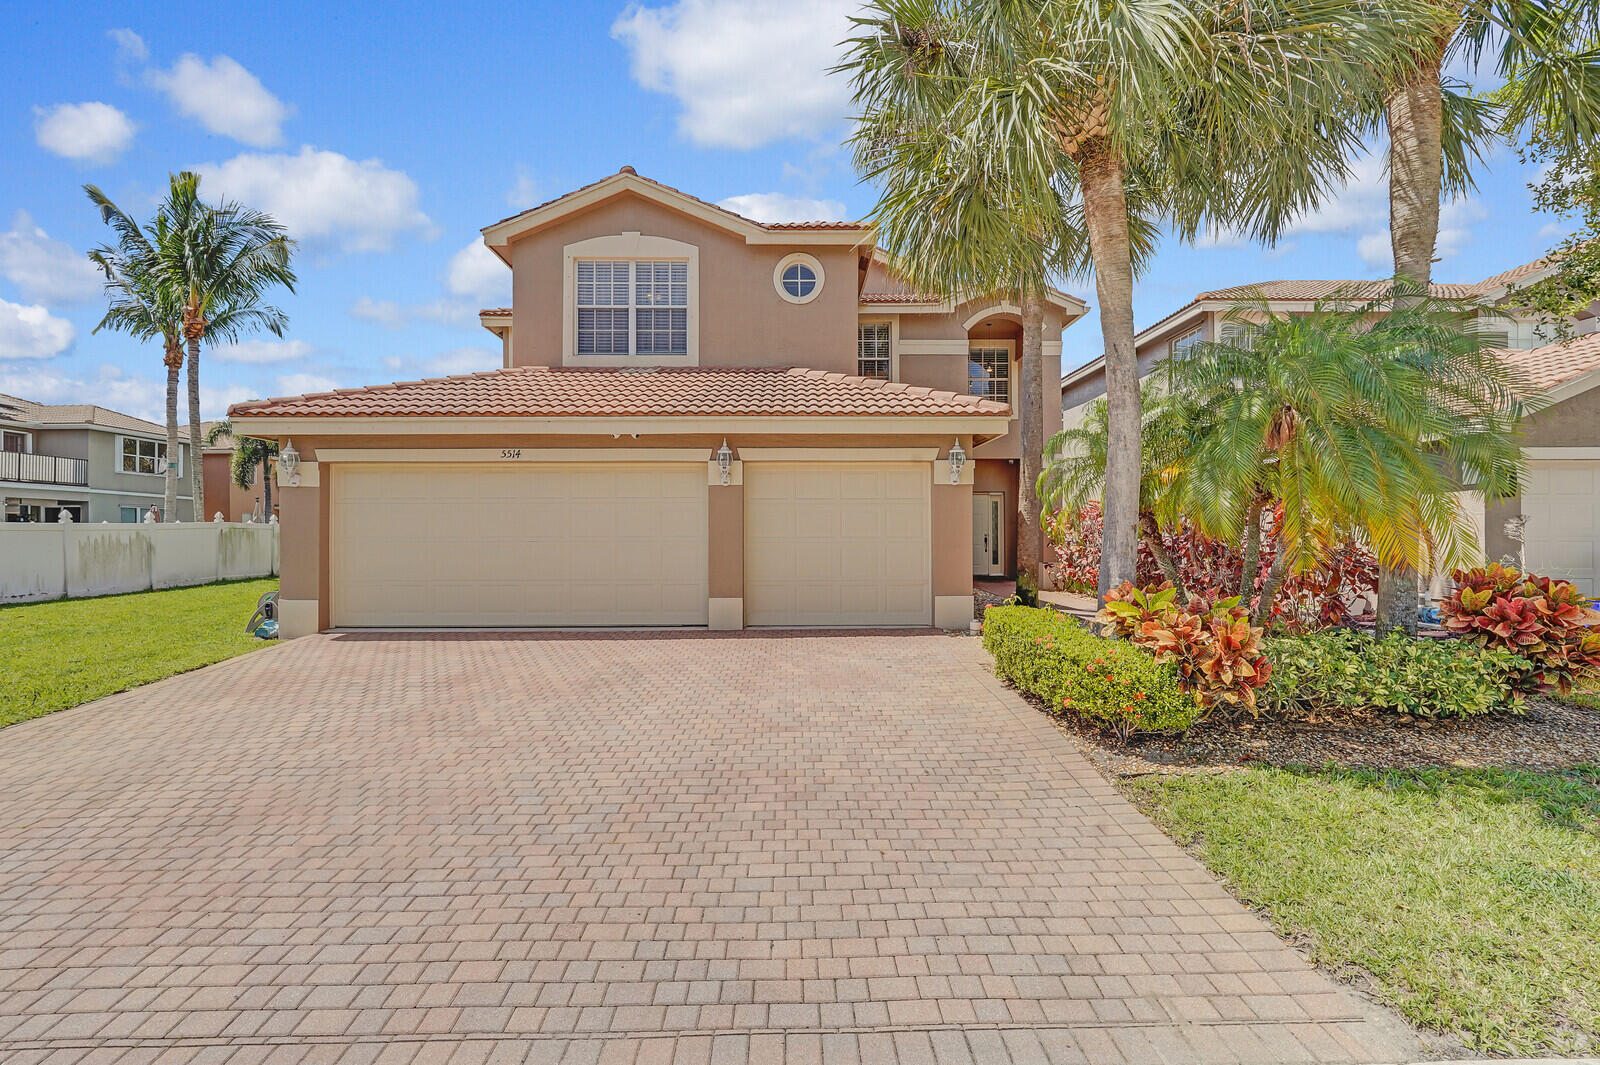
798, 278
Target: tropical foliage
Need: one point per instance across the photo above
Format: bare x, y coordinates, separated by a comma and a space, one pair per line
1548, 622
1211, 642
1011, 138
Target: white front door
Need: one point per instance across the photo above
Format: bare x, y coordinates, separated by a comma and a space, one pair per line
988, 550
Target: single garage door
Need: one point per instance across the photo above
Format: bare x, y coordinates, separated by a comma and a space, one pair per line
1562, 504
520, 544
837, 544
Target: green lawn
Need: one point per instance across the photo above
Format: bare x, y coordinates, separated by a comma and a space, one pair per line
66, 652
1472, 897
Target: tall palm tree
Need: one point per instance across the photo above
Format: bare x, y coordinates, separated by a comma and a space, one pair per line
1548, 53
217, 263
1018, 136
139, 305
251, 454
1350, 423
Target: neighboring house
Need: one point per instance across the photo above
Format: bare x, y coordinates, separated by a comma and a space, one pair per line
587, 483
223, 496
96, 464
1561, 499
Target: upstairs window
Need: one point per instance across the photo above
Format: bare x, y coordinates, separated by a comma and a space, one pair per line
636, 307
873, 357
989, 373
15, 441
144, 456
1181, 346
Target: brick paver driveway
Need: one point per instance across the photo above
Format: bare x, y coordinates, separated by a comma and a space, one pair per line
614, 848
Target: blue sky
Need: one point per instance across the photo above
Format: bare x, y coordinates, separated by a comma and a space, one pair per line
386, 141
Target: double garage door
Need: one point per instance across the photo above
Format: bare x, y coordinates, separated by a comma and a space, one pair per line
1562, 504
621, 544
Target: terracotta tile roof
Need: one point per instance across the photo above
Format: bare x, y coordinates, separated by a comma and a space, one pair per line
495, 312
680, 192
1556, 364
14, 408
1321, 290
1506, 277
897, 297
558, 392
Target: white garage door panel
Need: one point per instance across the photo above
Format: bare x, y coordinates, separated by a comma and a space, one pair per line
840, 544
1562, 503
519, 544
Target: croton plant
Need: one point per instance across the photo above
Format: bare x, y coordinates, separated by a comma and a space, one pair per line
1547, 621
1216, 650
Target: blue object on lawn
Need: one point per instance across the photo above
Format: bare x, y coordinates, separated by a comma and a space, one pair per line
1429, 614
267, 630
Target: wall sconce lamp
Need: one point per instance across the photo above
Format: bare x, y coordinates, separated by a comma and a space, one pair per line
725, 461
289, 463
958, 459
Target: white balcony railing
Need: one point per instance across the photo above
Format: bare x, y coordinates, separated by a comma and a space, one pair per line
43, 469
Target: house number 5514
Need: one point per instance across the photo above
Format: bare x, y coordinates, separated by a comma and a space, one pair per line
511, 452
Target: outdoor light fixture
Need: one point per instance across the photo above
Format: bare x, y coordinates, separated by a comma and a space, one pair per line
958, 459
725, 461
289, 463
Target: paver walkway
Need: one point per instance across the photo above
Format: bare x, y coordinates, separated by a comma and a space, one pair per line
620, 847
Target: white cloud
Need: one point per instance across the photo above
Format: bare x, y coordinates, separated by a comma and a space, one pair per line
261, 351
386, 313
745, 72
225, 98
32, 332
89, 132
464, 360
130, 46
780, 207
524, 193
392, 315
322, 196
43, 269
295, 384
477, 272
111, 386
1361, 205
1456, 222
1376, 251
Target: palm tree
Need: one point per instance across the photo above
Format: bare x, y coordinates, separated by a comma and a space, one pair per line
1075, 469
142, 307
1013, 137
250, 453
216, 263
1545, 50
1350, 422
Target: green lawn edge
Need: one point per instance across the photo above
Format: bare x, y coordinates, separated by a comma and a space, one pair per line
67, 652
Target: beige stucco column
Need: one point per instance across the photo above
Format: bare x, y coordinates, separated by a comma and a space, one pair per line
951, 526
302, 599
725, 546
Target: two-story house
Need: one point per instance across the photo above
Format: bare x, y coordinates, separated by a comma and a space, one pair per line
97, 465
1560, 501
700, 420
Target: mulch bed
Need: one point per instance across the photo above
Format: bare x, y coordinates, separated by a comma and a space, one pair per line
1550, 735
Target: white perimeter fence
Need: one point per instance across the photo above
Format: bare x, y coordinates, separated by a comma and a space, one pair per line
72, 561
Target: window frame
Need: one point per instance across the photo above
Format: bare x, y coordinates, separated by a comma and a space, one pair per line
893, 325
798, 258
159, 448
25, 435
1010, 348
632, 247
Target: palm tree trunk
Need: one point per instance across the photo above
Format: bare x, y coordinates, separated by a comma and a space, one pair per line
1105, 209
196, 481
1030, 394
174, 363
1269, 589
1252, 548
1416, 168
1158, 548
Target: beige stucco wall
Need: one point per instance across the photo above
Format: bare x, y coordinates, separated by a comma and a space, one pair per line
1572, 423
743, 321
1151, 350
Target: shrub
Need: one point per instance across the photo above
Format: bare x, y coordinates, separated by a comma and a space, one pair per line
1211, 642
1548, 622
1341, 671
1110, 682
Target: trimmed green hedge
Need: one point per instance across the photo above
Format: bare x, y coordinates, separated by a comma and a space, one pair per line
1340, 671
1110, 682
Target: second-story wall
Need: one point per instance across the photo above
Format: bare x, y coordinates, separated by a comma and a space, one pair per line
742, 321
